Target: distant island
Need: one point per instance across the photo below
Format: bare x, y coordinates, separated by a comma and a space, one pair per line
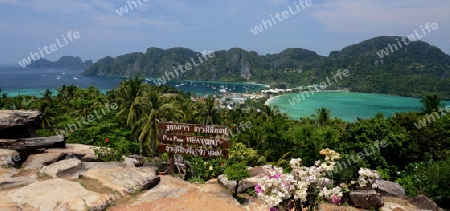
413, 70
70, 62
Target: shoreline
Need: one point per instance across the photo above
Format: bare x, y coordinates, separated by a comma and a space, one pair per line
268, 101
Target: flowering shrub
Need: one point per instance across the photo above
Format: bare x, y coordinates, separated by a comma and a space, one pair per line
302, 187
367, 177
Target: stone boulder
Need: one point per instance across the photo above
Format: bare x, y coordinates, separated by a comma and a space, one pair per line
177, 194
424, 203
9, 180
397, 204
9, 157
68, 169
83, 152
37, 161
256, 174
387, 188
86, 166
130, 162
55, 194
125, 180
19, 123
366, 199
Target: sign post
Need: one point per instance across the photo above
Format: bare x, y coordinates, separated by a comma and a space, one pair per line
181, 138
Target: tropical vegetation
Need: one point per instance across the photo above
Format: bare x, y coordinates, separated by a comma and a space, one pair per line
124, 119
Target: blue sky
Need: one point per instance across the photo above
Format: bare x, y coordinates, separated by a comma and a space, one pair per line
323, 27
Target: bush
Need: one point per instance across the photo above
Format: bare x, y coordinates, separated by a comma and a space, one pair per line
431, 179
236, 172
205, 168
239, 153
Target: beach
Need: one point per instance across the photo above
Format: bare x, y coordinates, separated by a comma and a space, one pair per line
268, 101
271, 98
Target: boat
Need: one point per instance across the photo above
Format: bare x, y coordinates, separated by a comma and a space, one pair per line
222, 90
75, 78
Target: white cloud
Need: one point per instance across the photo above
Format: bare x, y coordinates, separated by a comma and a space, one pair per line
277, 2
375, 17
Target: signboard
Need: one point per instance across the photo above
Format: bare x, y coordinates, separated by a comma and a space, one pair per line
194, 140
192, 128
188, 150
173, 143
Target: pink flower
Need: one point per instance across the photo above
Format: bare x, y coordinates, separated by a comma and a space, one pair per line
276, 176
335, 200
258, 189
106, 140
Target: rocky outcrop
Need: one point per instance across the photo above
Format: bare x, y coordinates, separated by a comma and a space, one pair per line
125, 180
68, 169
19, 123
29, 144
256, 174
176, 194
9, 178
83, 152
387, 188
425, 203
9, 157
53, 193
366, 199
37, 161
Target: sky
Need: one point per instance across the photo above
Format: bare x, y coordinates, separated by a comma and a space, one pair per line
100, 28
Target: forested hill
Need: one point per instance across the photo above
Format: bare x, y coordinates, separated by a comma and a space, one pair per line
63, 62
406, 69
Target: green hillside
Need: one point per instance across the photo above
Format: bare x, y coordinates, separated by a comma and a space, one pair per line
406, 70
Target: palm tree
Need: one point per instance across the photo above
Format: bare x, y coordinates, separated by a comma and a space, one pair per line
153, 110
323, 115
127, 96
270, 112
207, 112
431, 103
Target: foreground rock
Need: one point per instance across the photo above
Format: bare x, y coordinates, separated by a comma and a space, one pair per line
177, 194
366, 199
28, 144
125, 180
82, 152
53, 193
19, 123
37, 161
256, 174
8, 180
387, 188
9, 157
424, 203
68, 169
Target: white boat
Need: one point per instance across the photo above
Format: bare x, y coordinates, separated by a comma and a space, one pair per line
222, 90
75, 78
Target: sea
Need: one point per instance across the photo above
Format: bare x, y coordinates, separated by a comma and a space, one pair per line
34, 81
345, 105
348, 106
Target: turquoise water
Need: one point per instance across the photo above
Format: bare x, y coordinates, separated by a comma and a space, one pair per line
34, 81
347, 106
